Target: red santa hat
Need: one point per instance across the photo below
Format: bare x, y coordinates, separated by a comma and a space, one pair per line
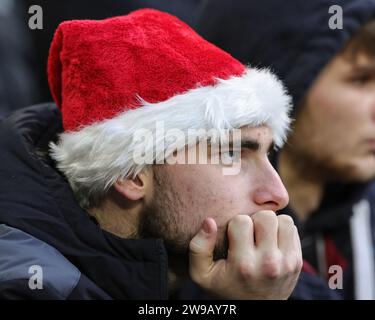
115, 76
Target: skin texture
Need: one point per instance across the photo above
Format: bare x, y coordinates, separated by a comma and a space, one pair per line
334, 135
264, 258
225, 224
187, 194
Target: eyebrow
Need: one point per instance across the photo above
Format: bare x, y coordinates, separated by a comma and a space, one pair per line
253, 145
364, 69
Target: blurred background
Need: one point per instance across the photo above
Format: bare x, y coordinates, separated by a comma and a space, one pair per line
24, 51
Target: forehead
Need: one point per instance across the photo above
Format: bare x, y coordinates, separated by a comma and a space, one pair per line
346, 63
262, 134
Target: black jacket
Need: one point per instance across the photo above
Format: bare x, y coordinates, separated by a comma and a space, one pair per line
42, 225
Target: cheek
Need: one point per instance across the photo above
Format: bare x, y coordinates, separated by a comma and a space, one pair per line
335, 107
342, 104
332, 119
208, 193
228, 197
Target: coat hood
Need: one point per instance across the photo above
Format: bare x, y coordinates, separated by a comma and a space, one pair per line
293, 37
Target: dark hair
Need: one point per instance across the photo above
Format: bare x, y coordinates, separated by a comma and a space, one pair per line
363, 41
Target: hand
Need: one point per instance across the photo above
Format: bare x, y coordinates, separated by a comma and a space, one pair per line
264, 257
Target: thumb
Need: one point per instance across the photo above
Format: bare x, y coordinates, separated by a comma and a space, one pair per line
202, 249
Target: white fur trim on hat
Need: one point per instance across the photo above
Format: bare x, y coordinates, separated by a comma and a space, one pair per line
94, 157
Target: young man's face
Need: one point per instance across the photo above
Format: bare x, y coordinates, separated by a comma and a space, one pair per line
184, 194
335, 129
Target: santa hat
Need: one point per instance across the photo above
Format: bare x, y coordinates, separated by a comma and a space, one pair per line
115, 76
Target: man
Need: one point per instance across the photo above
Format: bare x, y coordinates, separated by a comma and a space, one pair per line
116, 81
328, 164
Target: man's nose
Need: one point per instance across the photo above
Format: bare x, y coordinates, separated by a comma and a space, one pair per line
270, 193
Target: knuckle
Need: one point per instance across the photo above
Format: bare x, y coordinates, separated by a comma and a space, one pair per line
240, 220
299, 264
286, 219
245, 270
264, 216
290, 264
293, 263
195, 246
271, 266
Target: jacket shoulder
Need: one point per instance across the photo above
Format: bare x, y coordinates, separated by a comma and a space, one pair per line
31, 269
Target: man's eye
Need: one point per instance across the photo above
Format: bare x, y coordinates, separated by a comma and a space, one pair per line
230, 155
361, 80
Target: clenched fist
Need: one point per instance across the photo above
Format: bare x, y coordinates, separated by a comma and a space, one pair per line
264, 257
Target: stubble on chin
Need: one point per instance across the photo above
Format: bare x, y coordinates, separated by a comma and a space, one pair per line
176, 235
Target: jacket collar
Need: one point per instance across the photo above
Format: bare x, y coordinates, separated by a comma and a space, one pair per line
37, 199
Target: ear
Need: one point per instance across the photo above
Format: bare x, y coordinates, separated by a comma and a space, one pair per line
132, 189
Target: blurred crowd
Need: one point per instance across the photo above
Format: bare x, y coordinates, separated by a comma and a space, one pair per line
24, 51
